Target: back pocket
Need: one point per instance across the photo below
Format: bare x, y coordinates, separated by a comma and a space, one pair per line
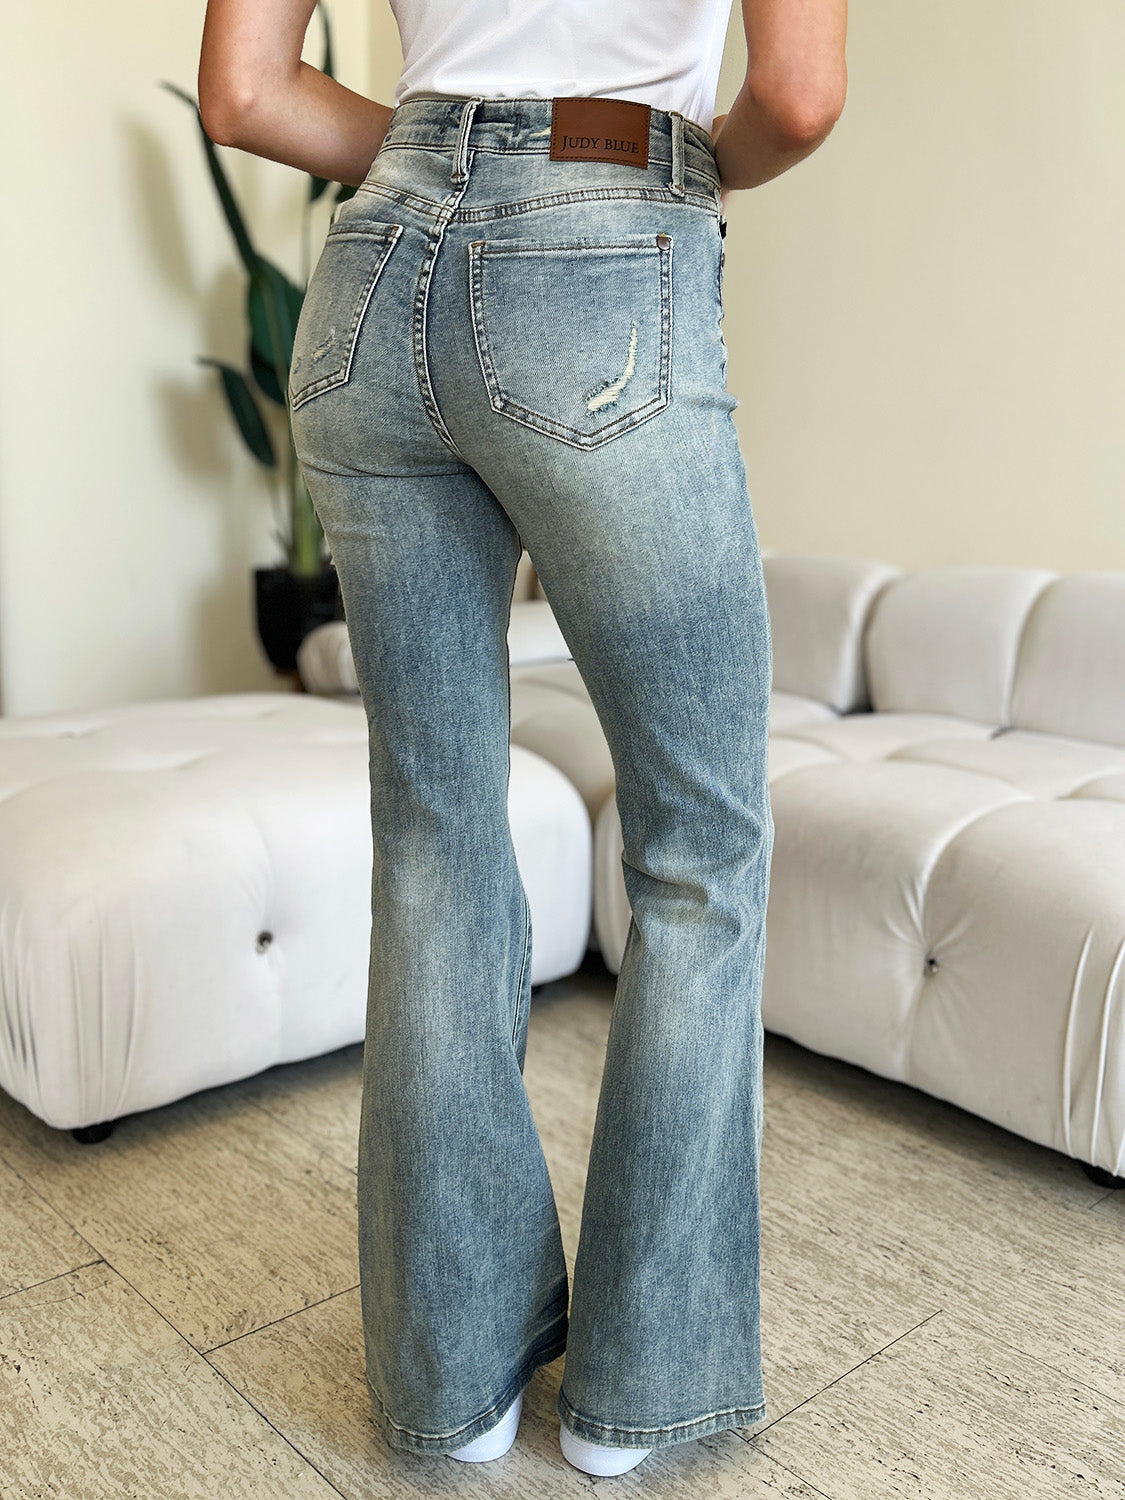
336, 300
575, 339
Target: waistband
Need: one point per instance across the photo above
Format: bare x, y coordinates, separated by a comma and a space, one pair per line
523, 125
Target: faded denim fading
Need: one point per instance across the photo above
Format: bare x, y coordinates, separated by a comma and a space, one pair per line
499, 347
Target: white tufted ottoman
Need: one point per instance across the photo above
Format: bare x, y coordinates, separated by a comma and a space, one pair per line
185, 894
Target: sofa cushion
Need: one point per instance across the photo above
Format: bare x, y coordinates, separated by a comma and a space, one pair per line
1021, 1020
868, 736
534, 635
1070, 676
791, 710
944, 640
1043, 765
818, 607
849, 931
552, 715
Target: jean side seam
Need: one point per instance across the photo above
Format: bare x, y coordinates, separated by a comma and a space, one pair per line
524, 962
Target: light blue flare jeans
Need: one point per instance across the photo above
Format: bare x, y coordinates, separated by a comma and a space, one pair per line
496, 349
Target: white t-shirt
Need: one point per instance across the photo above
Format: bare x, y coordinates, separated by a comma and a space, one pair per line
660, 52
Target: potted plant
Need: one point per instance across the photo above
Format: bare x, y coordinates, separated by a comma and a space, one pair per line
293, 597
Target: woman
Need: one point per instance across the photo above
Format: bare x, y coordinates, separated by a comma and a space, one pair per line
512, 339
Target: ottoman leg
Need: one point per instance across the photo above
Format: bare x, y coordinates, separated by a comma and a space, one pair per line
1102, 1177
89, 1135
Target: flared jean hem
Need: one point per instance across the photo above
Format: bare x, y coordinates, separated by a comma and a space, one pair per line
656, 1437
407, 1440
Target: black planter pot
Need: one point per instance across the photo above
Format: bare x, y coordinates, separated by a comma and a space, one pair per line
289, 606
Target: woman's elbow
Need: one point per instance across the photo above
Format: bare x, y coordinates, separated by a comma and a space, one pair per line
804, 113
221, 108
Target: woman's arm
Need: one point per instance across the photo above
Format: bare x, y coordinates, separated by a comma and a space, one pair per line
793, 94
257, 94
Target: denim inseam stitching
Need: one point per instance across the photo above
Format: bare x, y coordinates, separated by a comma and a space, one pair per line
523, 893
387, 233
421, 307
503, 403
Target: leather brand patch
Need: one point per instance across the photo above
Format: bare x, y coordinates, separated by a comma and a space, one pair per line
600, 130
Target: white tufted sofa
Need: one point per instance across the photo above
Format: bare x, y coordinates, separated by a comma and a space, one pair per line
185, 894
947, 774
184, 886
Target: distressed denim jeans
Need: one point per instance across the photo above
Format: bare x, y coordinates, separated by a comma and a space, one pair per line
497, 348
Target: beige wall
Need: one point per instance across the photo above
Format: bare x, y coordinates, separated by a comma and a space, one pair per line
924, 322
925, 317
131, 516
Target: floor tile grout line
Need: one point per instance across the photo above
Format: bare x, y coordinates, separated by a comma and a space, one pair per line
38, 1193
99, 1260
199, 1354
844, 1374
800, 1478
284, 1317
242, 1396
102, 1259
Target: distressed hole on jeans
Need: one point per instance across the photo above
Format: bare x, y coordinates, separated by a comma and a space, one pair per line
609, 393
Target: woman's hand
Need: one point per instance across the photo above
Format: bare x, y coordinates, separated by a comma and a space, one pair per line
794, 90
256, 93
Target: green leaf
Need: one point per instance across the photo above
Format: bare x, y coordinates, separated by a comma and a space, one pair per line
265, 378
273, 305
245, 411
219, 177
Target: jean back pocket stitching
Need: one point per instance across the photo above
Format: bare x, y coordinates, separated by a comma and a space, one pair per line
389, 234
505, 404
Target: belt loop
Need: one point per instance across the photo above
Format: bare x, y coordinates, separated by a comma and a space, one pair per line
461, 154
677, 152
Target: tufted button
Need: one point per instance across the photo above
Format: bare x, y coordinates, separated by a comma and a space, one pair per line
931, 963
264, 940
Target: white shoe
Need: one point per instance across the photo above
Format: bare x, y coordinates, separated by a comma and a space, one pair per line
597, 1458
496, 1441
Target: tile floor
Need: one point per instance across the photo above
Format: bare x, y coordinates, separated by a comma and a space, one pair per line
943, 1302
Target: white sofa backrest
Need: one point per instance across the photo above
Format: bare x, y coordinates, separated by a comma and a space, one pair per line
944, 640
1070, 675
526, 586
818, 608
